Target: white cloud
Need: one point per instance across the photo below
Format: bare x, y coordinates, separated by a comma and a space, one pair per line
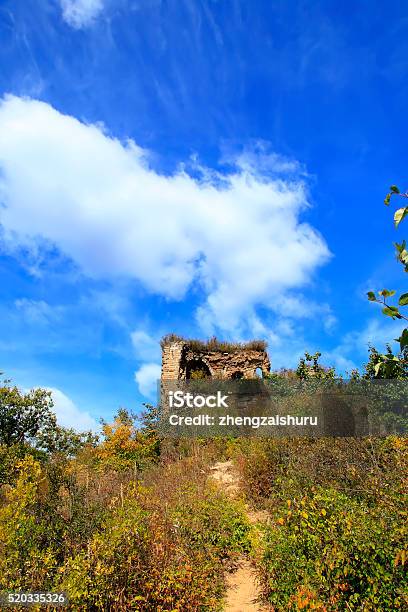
81, 13
146, 347
238, 236
376, 332
69, 415
257, 156
354, 345
146, 377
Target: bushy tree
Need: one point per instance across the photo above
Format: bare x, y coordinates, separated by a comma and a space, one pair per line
309, 367
64, 440
386, 365
24, 415
124, 446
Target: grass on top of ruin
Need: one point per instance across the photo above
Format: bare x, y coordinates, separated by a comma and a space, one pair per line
213, 344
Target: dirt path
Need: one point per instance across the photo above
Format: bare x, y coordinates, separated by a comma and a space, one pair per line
242, 590
242, 587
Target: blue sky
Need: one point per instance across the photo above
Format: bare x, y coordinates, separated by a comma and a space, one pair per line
200, 167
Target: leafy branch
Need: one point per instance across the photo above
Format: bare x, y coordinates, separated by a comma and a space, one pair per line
401, 212
399, 215
389, 310
402, 255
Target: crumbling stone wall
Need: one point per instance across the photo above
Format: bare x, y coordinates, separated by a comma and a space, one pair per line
178, 358
171, 359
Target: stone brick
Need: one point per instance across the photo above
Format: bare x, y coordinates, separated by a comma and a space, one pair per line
179, 359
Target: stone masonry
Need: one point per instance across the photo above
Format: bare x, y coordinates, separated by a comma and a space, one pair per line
180, 358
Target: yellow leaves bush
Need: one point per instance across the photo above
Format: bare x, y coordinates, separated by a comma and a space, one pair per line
162, 546
24, 561
124, 448
116, 539
161, 543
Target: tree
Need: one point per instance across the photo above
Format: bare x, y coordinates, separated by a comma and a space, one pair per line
64, 440
124, 446
149, 420
310, 368
386, 365
24, 415
389, 365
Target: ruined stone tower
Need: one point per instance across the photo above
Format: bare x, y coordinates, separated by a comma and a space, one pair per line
184, 359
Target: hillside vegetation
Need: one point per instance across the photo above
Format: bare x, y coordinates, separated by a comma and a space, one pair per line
130, 521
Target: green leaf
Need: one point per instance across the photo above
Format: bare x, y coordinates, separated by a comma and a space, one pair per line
400, 247
394, 189
402, 253
391, 311
386, 293
387, 199
377, 368
403, 301
400, 214
403, 339
371, 296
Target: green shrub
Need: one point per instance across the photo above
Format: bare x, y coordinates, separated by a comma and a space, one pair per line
328, 553
340, 516
210, 521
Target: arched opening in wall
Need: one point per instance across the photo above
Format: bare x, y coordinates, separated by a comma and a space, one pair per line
237, 375
258, 373
196, 369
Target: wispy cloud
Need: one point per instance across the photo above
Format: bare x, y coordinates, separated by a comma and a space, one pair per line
81, 13
354, 346
37, 311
